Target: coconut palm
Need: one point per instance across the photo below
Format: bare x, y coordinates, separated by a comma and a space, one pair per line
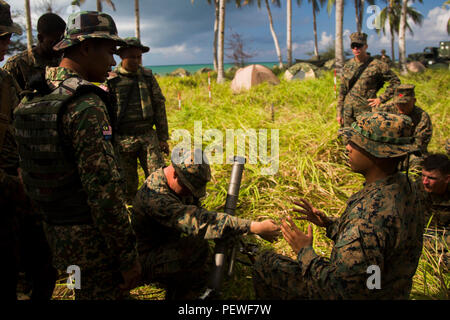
272, 30
289, 31
136, 15
316, 9
339, 46
220, 47
402, 30
29, 33
391, 15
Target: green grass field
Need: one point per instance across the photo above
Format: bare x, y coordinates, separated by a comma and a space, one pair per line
312, 162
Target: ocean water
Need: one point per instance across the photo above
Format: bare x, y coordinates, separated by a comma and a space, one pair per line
192, 68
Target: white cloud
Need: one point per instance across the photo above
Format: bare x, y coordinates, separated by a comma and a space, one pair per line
325, 41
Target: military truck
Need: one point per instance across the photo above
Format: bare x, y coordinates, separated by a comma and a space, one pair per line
434, 57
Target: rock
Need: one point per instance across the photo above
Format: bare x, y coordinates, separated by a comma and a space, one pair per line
180, 72
415, 66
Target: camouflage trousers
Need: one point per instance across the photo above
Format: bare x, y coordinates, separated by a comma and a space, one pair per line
146, 149
83, 246
351, 112
180, 266
277, 277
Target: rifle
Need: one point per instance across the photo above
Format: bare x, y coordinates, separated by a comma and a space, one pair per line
222, 245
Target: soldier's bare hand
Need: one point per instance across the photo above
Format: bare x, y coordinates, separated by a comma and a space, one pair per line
374, 103
311, 214
131, 277
340, 120
267, 229
164, 146
294, 236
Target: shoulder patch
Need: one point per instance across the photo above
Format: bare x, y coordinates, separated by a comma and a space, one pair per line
107, 132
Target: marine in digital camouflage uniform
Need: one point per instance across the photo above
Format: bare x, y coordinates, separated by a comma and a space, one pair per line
385, 58
70, 169
404, 103
362, 96
435, 185
31, 64
381, 226
172, 228
22, 242
140, 107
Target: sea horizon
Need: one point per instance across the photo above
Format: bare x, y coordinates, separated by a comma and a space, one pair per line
192, 68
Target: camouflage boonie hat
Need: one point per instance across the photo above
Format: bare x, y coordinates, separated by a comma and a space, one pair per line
193, 170
358, 37
134, 42
382, 134
88, 25
6, 23
404, 93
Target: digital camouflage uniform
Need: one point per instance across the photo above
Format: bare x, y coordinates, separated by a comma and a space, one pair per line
172, 231
27, 64
353, 101
140, 107
422, 127
22, 243
72, 173
386, 59
382, 225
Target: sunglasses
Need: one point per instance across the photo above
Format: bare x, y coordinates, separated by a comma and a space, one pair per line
356, 45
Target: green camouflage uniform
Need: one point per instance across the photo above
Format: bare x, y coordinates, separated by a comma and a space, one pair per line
140, 106
386, 59
382, 225
172, 231
27, 64
422, 127
353, 102
99, 240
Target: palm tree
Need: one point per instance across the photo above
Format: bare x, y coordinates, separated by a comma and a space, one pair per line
316, 9
289, 32
29, 33
136, 15
392, 14
402, 30
220, 71
272, 30
339, 46
447, 3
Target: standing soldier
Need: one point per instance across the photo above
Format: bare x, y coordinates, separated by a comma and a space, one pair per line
140, 106
68, 163
404, 103
381, 228
386, 59
22, 240
29, 65
362, 77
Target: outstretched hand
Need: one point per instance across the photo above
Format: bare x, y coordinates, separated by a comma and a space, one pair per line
311, 214
267, 229
294, 236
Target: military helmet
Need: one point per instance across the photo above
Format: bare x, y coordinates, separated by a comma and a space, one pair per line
192, 169
6, 23
133, 42
88, 25
382, 134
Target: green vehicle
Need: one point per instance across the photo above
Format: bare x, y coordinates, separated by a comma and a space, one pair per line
434, 57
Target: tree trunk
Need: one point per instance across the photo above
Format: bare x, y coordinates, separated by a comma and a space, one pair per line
289, 32
274, 35
401, 39
220, 71
358, 25
136, 15
316, 47
392, 45
29, 33
99, 5
216, 33
392, 30
339, 50
361, 13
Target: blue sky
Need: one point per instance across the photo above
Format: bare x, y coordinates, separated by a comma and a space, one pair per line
179, 32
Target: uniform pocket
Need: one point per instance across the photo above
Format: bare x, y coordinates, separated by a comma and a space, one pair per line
348, 236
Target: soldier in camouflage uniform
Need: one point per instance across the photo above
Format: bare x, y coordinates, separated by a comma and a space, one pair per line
381, 226
361, 78
30, 64
22, 241
68, 163
404, 103
140, 106
386, 59
436, 187
172, 229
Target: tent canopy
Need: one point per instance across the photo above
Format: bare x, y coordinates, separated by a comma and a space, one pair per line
252, 75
